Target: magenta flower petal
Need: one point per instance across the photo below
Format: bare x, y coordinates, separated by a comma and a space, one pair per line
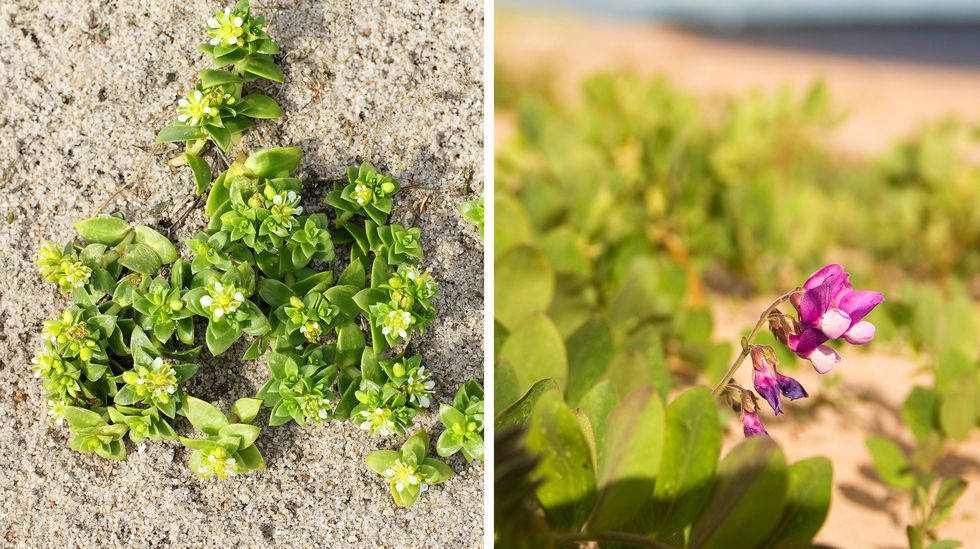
861, 333
814, 304
824, 359
834, 323
790, 388
859, 303
807, 341
766, 386
752, 425
818, 278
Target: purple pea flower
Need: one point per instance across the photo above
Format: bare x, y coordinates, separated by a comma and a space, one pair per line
769, 383
752, 425
830, 308
764, 380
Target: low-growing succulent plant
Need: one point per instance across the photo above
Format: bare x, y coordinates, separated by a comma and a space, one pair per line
217, 109
464, 423
118, 360
410, 471
472, 212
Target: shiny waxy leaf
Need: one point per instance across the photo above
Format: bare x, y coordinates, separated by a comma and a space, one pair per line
691, 449
103, 230
747, 500
537, 352
807, 501
567, 489
630, 463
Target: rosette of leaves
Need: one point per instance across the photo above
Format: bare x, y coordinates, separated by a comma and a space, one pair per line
301, 387
255, 217
384, 407
238, 38
464, 423
472, 212
223, 299
367, 193
229, 447
410, 471
409, 376
142, 423
153, 381
160, 309
92, 433
398, 304
400, 244
215, 109
312, 308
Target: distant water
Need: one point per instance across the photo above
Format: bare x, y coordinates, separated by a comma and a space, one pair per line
939, 32
736, 13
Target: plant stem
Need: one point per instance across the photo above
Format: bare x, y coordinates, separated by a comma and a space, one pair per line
747, 342
634, 540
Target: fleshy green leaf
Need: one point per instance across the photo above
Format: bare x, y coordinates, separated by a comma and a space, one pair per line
629, 466
747, 500
203, 416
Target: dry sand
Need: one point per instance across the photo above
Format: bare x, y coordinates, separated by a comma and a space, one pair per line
395, 83
885, 101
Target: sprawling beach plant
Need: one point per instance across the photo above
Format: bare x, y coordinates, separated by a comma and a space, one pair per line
119, 359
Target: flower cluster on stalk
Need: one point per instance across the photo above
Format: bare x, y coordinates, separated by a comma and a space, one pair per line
828, 308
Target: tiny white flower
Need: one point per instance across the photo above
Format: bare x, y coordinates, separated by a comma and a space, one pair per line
412, 479
198, 94
227, 12
157, 362
212, 459
424, 401
232, 40
365, 413
402, 334
182, 118
213, 23
386, 330
206, 300
141, 448
366, 426
214, 41
389, 472
277, 200
171, 388
291, 195
238, 21
239, 296
182, 102
302, 329
424, 487
219, 312
218, 286
399, 486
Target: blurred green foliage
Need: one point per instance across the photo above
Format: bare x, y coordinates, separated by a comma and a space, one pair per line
618, 217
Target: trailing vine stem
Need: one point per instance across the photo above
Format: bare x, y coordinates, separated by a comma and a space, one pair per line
747, 341
625, 538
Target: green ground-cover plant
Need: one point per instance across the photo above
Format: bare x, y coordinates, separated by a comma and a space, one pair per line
472, 212
118, 360
217, 109
622, 214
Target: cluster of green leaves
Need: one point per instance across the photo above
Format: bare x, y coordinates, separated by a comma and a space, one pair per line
932, 497
613, 470
410, 471
472, 212
463, 422
946, 329
111, 362
228, 448
217, 109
